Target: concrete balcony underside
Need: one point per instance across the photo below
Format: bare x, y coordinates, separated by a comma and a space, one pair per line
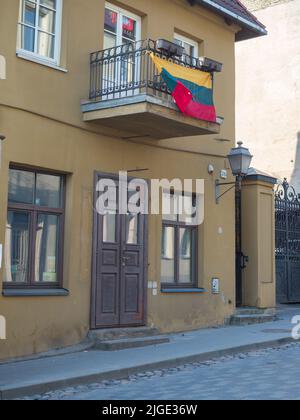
146, 116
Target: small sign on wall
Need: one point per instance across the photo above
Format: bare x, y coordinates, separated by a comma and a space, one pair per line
215, 286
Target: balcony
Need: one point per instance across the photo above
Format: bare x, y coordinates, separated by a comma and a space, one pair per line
127, 93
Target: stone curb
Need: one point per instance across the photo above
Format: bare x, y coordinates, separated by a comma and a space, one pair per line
30, 390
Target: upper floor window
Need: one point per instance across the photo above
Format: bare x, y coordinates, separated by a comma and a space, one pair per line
191, 47
120, 27
39, 29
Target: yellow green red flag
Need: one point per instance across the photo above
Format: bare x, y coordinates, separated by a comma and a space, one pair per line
192, 89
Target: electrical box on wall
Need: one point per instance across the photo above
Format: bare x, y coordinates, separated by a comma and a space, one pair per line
215, 286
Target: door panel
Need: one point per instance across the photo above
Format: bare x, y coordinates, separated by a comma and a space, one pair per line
120, 270
107, 275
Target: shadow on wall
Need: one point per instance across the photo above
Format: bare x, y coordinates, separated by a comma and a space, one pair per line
295, 178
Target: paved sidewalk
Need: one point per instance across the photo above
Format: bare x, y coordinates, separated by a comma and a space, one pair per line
271, 374
46, 374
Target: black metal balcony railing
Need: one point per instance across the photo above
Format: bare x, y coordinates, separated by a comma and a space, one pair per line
128, 70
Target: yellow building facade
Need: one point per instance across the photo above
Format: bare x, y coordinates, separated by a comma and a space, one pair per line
57, 139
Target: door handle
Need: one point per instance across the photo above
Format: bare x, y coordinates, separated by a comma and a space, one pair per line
125, 260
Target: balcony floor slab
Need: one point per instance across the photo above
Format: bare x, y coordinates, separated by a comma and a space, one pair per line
146, 116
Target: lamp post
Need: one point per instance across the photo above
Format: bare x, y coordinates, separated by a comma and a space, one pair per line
240, 160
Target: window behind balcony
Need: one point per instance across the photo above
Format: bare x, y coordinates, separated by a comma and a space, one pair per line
39, 28
120, 27
121, 30
191, 48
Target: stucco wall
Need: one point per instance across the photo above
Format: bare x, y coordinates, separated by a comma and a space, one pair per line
268, 92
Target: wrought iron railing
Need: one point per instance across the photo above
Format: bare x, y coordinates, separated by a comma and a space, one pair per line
287, 214
128, 70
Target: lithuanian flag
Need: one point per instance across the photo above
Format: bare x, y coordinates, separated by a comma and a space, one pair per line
192, 89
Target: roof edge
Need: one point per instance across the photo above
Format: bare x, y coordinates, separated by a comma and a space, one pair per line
249, 28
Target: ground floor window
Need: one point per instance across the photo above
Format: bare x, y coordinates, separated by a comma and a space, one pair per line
179, 243
34, 229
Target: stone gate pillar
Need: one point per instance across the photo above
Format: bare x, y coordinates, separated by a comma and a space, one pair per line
258, 240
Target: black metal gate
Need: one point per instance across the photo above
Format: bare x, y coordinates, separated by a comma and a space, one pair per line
287, 214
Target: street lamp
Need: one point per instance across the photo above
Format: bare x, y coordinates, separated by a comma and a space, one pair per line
240, 160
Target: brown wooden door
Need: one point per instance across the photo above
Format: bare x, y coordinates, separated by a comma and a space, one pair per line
120, 269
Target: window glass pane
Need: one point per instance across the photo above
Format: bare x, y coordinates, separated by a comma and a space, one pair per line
170, 207
17, 247
127, 66
187, 207
109, 70
28, 13
48, 191
21, 187
109, 228
49, 3
186, 245
110, 21
168, 255
189, 49
129, 28
132, 228
45, 46
27, 38
46, 247
47, 20
110, 41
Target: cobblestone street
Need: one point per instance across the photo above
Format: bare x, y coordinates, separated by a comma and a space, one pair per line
268, 374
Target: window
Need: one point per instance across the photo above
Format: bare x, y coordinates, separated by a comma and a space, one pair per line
191, 48
34, 229
179, 243
120, 27
40, 29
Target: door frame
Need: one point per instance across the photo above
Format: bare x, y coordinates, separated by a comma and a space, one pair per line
93, 325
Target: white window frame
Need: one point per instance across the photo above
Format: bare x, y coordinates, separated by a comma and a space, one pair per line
188, 41
57, 36
121, 13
